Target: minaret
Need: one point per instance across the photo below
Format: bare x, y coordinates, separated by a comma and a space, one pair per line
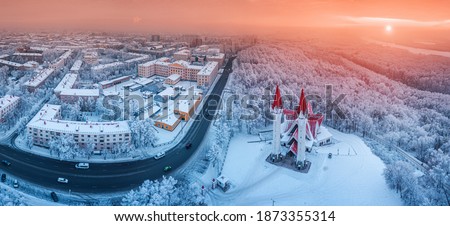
301, 123
277, 108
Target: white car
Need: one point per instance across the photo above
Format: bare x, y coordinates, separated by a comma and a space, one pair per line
16, 184
160, 155
82, 165
63, 180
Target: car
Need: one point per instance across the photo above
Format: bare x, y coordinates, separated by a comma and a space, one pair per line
54, 196
6, 163
63, 180
160, 155
188, 145
167, 168
330, 155
82, 165
3, 177
16, 184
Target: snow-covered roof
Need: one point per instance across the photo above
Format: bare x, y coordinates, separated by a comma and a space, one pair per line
141, 58
125, 77
77, 65
10, 63
105, 66
181, 63
28, 54
66, 83
46, 119
218, 56
186, 105
47, 112
183, 52
174, 77
170, 119
80, 92
323, 134
143, 81
41, 77
208, 69
8, 100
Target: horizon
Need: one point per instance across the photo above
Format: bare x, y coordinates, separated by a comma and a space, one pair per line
217, 17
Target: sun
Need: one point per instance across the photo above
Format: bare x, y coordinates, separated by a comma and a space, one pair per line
388, 28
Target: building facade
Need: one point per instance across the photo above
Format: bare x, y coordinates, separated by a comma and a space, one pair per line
7, 105
47, 125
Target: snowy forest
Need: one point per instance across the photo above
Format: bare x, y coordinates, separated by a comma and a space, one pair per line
165, 192
415, 120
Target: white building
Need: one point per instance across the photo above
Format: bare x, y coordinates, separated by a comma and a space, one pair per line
46, 124
207, 75
7, 104
38, 80
184, 54
76, 66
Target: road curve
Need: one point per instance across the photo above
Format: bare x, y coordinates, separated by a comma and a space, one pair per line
112, 177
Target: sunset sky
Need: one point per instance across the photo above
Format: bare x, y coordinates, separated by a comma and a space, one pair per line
218, 15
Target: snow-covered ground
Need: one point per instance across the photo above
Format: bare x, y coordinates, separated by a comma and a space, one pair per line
351, 177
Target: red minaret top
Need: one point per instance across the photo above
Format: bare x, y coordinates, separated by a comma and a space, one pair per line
302, 106
277, 102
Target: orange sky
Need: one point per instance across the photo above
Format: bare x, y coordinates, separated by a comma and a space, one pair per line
217, 15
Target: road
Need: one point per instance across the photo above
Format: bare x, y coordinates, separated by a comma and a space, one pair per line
112, 177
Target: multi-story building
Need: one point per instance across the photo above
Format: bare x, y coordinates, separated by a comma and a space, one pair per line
207, 75
90, 57
177, 107
173, 79
30, 56
184, 54
113, 82
73, 95
67, 93
47, 124
158, 66
7, 104
180, 67
38, 80
61, 61
76, 66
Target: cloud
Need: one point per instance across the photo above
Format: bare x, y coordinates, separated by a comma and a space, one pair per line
394, 21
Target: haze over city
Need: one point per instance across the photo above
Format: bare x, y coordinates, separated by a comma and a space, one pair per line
257, 16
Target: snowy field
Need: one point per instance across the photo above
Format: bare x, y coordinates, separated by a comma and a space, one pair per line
352, 177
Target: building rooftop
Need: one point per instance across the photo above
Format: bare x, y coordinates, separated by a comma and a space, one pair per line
46, 119
77, 65
66, 83
113, 80
143, 81
7, 100
174, 77
80, 92
10, 63
41, 77
104, 66
208, 68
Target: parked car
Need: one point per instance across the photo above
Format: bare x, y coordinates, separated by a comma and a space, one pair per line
63, 180
160, 155
82, 165
3, 177
167, 168
330, 155
16, 184
188, 145
54, 196
6, 163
